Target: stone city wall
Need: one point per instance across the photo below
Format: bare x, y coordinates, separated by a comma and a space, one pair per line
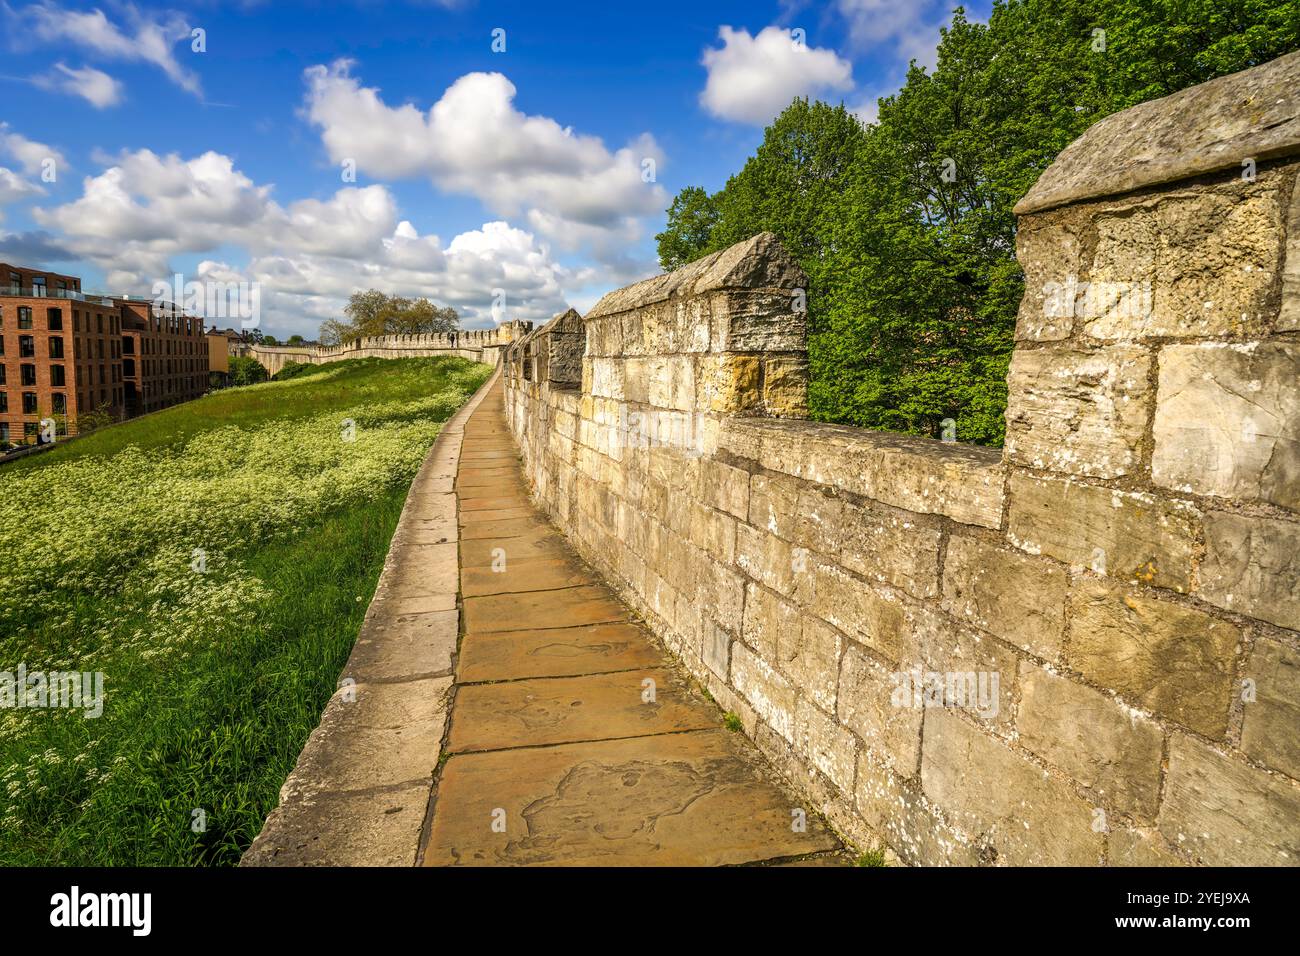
1083, 648
477, 345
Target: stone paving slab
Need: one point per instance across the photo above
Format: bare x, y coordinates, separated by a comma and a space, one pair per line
563, 607
692, 799
555, 652
552, 733
526, 574
557, 710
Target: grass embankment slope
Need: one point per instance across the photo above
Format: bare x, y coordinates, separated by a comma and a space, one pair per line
214, 561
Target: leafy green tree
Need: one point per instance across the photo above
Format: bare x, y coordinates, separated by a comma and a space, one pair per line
296, 340
270, 340
245, 370
906, 227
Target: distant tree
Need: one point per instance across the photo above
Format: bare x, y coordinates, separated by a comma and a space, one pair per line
270, 340
373, 313
689, 234
296, 340
245, 370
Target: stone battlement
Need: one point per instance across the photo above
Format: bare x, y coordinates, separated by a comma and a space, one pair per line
1080, 649
479, 345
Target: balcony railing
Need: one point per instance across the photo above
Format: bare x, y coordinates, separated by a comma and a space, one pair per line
41, 292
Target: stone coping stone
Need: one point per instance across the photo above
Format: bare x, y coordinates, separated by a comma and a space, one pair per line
1254, 114
359, 791
760, 262
963, 482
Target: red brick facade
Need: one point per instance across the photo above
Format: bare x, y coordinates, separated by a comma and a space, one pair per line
64, 354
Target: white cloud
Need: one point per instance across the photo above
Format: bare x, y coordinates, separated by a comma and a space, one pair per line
753, 78
474, 141
910, 31
138, 215
146, 37
14, 188
31, 155
94, 86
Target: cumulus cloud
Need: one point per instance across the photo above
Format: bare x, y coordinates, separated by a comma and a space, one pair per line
94, 86
752, 78
473, 141
30, 154
134, 218
143, 37
909, 31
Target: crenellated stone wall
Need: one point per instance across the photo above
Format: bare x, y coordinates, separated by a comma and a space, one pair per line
477, 345
1083, 648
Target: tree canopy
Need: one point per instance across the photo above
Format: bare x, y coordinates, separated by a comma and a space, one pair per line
372, 313
904, 224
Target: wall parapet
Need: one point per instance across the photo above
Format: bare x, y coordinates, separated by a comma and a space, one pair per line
1080, 649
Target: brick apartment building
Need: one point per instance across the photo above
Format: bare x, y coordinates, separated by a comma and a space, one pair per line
63, 354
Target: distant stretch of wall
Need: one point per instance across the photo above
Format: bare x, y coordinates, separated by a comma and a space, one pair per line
1081, 649
477, 345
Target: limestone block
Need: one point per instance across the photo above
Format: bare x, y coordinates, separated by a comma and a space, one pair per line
1048, 249
999, 797
893, 547
724, 487
1270, 731
1224, 812
1078, 412
866, 705
1209, 256
766, 558
1228, 421
1160, 656
785, 386
864, 612
770, 694
1130, 847
716, 648
896, 811
767, 617
1125, 535
728, 383
987, 586
809, 654
1095, 740
829, 747
1289, 317
1252, 566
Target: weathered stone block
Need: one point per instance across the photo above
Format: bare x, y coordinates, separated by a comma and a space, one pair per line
728, 383
809, 654
894, 547
902, 816
1125, 535
1225, 812
1252, 566
766, 558
724, 487
1173, 660
1049, 250
1209, 256
1098, 742
829, 747
1228, 421
999, 797
862, 611
713, 531
866, 705
767, 618
1078, 412
716, 649
785, 386
774, 504
989, 586
763, 321
975, 674
770, 694
1270, 731
1289, 317
1127, 847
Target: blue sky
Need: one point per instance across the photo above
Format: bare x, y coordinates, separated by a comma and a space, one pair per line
315, 148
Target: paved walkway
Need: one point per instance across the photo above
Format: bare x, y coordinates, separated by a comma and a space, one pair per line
573, 739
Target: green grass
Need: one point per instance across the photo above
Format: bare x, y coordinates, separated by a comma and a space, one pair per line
871, 858
732, 722
212, 717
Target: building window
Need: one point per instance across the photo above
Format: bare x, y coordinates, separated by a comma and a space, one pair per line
29, 403
60, 403
99, 348
78, 376
38, 285
58, 377
4, 434
128, 368
55, 319
2, 373
56, 347
128, 346
100, 323
24, 317
2, 345
27, 374
4, 401
26, 346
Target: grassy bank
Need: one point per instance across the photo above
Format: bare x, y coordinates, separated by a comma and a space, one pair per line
214, 562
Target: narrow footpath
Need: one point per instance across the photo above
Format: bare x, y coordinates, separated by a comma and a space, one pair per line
573, 739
